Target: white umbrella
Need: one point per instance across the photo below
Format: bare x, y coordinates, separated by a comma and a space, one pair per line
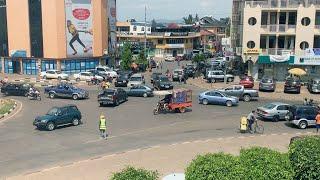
175, 176
162, 93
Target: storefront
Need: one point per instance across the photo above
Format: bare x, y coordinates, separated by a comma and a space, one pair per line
275, 66
310, 63
78, 65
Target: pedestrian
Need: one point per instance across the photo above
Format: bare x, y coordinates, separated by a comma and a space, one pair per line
318, 121
251, 119
157, 64
161, 65
103, 126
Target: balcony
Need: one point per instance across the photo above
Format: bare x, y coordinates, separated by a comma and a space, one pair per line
282, 3
277, 51
279, 28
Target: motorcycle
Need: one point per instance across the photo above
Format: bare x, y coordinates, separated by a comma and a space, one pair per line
34, 96
160, 108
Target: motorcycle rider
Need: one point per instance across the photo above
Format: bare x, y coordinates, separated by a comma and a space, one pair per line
166, 100
33, 92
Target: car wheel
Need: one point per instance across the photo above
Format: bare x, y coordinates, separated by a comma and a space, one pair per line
75, 97
213, 80
101, 104
205, 102
229, 79
78, 79
145, 95
246, 98
59, 78
50, 126
229, 103
276, 118
52, 95
75, 122
182, 110
117, 103
44, 77
303, 125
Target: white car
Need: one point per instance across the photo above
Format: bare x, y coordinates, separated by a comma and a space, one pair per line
169, 58
106, 70
136, 79
54, 74
86, 76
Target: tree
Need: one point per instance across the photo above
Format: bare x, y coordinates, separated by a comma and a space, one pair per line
198, 58
189, 19
126, 58
142, 58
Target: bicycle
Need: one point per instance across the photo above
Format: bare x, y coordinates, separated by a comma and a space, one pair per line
256, 128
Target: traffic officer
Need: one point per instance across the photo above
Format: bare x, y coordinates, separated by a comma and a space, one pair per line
103, 126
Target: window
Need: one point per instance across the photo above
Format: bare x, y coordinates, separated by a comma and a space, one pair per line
149, 29
251, 44
35, 24
217, 94
313, 70
263, 42
305, 21
142, 29
160, 41
264, 18
252, 21
283, 108
292, 20
3, 29
134, 28
304, 45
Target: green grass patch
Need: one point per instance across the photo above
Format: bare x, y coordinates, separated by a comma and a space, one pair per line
5, 106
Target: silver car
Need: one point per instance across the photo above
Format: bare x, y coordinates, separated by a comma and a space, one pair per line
273, 111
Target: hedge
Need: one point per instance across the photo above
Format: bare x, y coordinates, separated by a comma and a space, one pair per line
135, 174
304, 155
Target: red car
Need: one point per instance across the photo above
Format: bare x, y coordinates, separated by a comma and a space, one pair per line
247, 82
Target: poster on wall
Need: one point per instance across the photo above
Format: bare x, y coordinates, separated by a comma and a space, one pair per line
79, 28
112, 28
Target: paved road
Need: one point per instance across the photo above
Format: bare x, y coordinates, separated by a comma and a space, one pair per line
131, 125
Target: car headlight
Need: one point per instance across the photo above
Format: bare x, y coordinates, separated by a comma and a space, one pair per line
162, 85
44, 120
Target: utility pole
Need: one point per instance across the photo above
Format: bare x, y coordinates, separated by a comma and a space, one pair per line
145, 31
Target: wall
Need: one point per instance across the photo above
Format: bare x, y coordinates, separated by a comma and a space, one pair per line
100, 32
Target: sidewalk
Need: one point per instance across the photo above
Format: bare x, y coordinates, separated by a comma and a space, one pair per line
166, 158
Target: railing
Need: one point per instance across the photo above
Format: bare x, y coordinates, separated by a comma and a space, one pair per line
282, 3
277, 51
159, 34
278, 27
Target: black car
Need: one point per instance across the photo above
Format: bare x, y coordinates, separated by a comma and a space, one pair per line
112, 97
154, 76
15, 89
190, 71
162, 83
153, 64
314, 85
122, 80
59, 116
128, 73
292, 85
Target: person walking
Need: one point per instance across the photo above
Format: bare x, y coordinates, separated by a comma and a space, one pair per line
251, 120
318, 121
103, 126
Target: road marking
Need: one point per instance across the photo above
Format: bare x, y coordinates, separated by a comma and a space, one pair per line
15, 113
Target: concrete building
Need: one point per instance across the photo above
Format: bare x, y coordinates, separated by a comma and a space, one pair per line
68, 35
277, 35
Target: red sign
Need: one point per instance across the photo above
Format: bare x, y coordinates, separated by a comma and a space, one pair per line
81, 14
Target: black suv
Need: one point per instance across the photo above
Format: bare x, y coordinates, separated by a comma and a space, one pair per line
314, 85
302, 115
154, 76
59, 116
162, 83
292, 85
122, 80
15, 89
112, 96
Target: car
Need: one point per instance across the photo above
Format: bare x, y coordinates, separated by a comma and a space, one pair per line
136, 79
87, 76
95, 72
169, 58
302, 116
190, 70
292, 85
15, 89
153, 64
217, 97
240, 92
112, 97
179, 58
59, 116
267, 84
218, 75
106, 70
64, 90
122, 80
154, 76
54, 74
314, 85
128, 73
274, 111
162, 83
141, 91
177, 74
247, 81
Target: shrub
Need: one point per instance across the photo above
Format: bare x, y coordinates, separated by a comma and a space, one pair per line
262, 163
213, 166
304, 155
135, 174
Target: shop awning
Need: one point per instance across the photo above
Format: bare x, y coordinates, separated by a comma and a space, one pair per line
267, 60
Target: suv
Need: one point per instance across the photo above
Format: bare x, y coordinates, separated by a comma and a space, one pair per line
218, 75
136, 79
292, 85
66, 91
314, 85
59, 116
177, 74
267, 84
15, 89
162, 82
302, 116
112, 96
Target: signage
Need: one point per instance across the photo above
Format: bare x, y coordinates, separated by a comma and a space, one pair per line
251, 51
175, 46
112, 28
18, 53
307, 60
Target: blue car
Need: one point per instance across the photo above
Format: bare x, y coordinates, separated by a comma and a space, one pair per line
219, 98
66, 91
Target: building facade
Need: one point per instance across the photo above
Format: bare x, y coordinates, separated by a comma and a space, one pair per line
68, 35
277, 35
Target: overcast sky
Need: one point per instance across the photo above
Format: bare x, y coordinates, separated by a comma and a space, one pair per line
171, 9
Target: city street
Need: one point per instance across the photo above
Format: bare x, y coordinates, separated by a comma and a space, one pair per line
131, 125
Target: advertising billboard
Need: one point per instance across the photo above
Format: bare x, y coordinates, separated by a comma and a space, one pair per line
79, 28
112, 28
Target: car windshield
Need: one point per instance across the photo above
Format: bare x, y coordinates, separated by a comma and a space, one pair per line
108, 92
178, 72
266, 80
164, 79
135, 79
123, 76
58, 72
53, 111
269, 106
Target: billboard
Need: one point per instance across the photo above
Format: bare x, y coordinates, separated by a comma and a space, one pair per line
112, 28
79, 28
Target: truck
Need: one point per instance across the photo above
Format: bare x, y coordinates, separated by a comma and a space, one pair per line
240, 92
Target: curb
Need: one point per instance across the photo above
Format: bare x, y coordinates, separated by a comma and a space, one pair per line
12, 109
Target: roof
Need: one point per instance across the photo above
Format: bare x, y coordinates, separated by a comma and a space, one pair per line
211, 22
278, 103
205, 32
122, 23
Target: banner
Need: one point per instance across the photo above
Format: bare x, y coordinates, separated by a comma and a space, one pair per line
279, 58
79, 28
112, 27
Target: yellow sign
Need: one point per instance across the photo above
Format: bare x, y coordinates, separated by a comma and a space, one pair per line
251, 51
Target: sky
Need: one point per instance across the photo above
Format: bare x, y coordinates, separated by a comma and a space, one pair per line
171, 9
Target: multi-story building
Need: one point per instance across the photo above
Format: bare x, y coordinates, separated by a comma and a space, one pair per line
279, 34
68, 35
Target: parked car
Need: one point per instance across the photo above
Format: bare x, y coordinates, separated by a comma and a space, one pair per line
190, 70
154, 76
122, 80
162, 83
87, 76
66, 91
218, 75
54, 74
240, 92
292, 85
153, 64
112, 97
128, 73
217, 97
141, 91
169, 58
247, 81
177, 74
59, 116
136, 79
314, 85
97, 73
267, 84
106, 70
15, 89
273, 111
302, 116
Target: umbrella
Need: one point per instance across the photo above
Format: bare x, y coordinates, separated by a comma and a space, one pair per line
297, 72
162, 93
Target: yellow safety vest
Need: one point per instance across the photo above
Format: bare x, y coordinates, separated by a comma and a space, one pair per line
103, 124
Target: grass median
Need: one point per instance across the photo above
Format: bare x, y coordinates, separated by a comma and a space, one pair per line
5, 106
